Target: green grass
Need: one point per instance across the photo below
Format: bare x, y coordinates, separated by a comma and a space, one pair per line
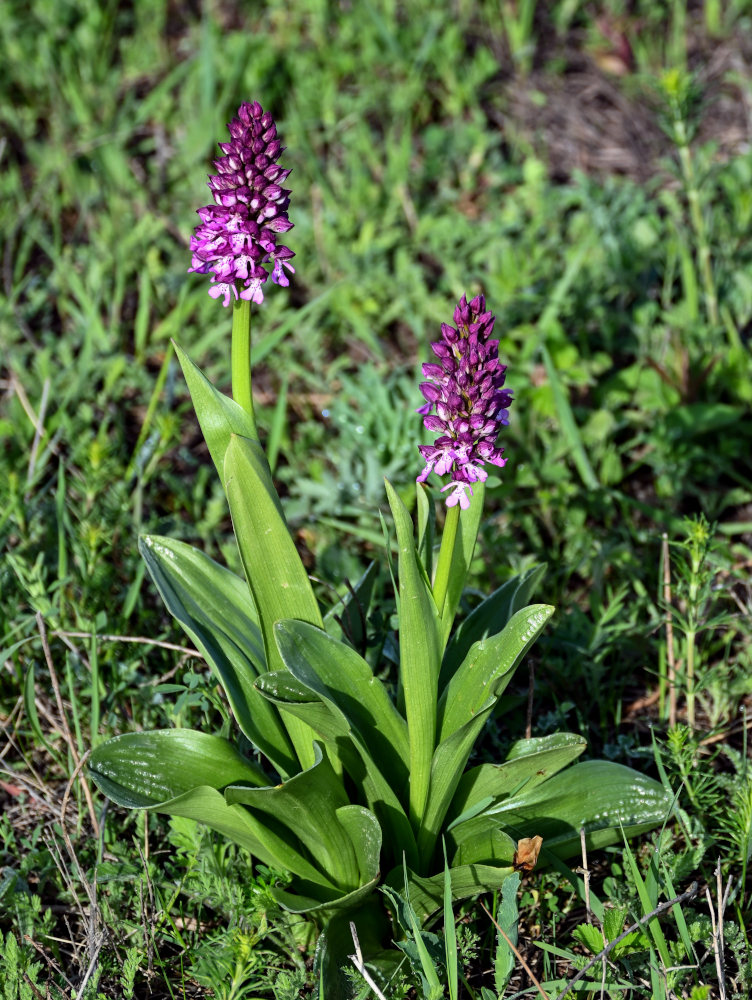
412, 183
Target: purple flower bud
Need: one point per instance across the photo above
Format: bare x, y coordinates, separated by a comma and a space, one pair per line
238, 235
466, 402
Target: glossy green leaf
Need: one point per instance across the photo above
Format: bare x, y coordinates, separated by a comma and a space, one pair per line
490, 846
529, 763
296, 902
489, 617
598, 795
219, 416
216, 610
179, 772
142, 770
273, 568
419, 638
289, 854
488, 667
364, 832
340, 676
307, 805
464, 546
207, 805
383, 798
464, 708
449, 760
286, 691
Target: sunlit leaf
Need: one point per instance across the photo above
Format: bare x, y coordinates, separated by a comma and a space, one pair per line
489, 617
273, 568
216, 610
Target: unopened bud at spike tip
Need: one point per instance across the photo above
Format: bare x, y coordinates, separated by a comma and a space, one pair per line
237, 240
466, 402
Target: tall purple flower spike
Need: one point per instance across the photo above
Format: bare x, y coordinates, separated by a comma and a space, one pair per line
465, 402
238, 235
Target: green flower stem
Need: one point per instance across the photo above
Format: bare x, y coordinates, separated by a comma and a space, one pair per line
444, 567
241, 355
695, 214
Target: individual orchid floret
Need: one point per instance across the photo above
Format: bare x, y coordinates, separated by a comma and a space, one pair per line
465, 402
237, 238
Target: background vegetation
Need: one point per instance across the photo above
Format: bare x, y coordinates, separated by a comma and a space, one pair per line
586, 166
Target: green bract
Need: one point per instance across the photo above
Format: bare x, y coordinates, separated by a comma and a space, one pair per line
358, 779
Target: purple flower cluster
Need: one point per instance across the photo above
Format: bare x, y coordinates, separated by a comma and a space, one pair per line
465, 401
238, 235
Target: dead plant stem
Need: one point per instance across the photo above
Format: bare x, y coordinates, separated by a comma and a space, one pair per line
67, 735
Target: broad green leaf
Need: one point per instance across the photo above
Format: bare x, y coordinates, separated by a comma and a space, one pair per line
488, 668
330, 723
286, 691
216, 610
143, 770
339, 675
529, 763
464, 708
419, 638
267, 840
307, 805
273, 568
548, 749
427, 894
296, 902
219, 416
289, 854
464, 546
364, 832
597, 795
179, 772
347, 619
449, 760
490, 846
489, 617
208, 806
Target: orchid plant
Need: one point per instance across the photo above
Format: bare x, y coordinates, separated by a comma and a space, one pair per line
341, 779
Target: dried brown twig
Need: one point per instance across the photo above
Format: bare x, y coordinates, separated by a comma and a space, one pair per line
67, 735
144, 640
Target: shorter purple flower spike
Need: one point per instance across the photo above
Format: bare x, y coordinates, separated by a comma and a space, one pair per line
238, 235
465, 402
